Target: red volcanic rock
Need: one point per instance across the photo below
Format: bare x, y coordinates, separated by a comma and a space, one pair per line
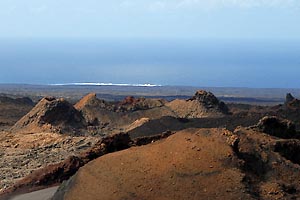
129, 100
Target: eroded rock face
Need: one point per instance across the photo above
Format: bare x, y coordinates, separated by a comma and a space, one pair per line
51, 115
275, 126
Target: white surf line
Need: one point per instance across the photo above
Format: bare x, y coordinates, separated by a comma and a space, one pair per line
106, 84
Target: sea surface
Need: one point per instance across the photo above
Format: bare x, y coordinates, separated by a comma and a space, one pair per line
212, 63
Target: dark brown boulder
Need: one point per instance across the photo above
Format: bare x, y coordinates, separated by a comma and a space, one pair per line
277, 127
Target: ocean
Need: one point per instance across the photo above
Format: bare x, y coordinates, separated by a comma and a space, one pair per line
212, 63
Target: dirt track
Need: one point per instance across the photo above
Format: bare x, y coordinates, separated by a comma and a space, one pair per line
45, 194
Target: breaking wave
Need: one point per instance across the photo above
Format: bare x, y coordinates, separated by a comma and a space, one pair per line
106, 84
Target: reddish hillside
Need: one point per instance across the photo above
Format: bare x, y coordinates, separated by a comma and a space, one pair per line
192, 164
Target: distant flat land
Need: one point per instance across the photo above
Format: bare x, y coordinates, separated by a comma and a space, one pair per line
261, 96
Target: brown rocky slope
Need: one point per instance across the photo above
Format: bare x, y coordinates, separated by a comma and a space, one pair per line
192, 164
51, 115
197, 164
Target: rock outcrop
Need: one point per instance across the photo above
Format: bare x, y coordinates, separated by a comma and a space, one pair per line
202, 104
51, 115
277, 127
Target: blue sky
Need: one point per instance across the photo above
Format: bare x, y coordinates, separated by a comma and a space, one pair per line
150, 18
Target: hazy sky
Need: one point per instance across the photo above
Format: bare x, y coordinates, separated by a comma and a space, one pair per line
151, 18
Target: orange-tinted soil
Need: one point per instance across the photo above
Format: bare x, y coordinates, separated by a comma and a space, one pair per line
192, 164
